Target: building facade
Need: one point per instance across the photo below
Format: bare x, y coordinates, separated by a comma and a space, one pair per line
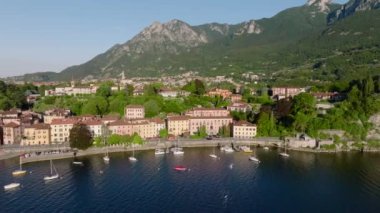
212, 124
60, 130
134, 112
244, 130
11, 133
178, 125
37, 134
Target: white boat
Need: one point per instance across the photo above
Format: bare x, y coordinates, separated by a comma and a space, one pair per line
254, 159
266, 148
213, 156
52, 176
77, 162
284, 154
132, 159
228, 149
159, 151
246, 149
11, 186
106, 159
19, 171
178, 151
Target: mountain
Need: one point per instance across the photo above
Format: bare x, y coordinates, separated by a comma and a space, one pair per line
352, 7
294, 39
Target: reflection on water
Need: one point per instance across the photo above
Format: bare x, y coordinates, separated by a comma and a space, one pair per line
305, 182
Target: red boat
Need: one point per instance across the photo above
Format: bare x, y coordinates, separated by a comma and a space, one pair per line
180, 168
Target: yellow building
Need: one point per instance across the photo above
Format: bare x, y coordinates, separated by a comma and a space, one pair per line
37, 134
178, 125
244, 130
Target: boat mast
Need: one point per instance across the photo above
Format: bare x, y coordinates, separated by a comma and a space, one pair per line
20, 163
51, 167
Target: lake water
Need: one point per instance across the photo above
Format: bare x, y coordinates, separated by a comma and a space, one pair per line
305, 182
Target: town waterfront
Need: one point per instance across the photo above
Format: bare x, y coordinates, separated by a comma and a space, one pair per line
305, 182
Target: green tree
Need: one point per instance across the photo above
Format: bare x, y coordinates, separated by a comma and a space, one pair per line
152, 108
225, 131
137, 139
80, 137
164, 133
95, 106
266, 125
104, 90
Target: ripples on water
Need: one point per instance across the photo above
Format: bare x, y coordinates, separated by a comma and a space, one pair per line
305, 182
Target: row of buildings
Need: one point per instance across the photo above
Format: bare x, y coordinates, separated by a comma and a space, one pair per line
53, 127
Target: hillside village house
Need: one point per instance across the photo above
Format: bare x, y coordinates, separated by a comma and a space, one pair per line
12, 133
50, 115
239, 107
285, 92
168, 93
134, 112
244, 130
178, 125
208, 112
37, 134
220, 92
236, 98
95, 126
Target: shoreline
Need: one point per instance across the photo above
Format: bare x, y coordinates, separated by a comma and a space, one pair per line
152, 146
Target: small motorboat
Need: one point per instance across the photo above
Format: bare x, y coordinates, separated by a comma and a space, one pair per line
213, 156
246, 149
266, 148
180, 168
254, 159
284, 154
18, 172
78, 163
159, 152
11, 186
133, 159
106, 159
178, 151
228, 149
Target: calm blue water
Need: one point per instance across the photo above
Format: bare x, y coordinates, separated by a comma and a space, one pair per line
348, 182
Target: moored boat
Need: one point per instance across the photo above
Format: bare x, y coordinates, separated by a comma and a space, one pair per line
180, 168
159, 151
213, 156
11, 186
19, 171
52, 169
254, 159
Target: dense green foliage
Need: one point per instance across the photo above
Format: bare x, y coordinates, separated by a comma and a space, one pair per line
13, 96
80, 137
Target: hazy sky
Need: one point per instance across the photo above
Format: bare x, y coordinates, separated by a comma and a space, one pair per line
48, 35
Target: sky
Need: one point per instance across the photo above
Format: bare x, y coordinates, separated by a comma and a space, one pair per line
50, 35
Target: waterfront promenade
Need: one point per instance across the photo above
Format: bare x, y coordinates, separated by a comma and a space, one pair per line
41, 153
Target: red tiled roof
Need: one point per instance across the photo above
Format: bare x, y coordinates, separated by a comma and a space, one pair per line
178, 118
63, 121
11, 125
243, 123
135, 106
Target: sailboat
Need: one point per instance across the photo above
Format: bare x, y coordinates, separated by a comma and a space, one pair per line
52, 176
254, 158
284, 154
106, 158
19, 172
177, 150
132, 158
213, 155
11, 186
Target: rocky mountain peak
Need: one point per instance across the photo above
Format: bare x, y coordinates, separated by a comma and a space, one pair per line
250, 27
322, 5
352, 7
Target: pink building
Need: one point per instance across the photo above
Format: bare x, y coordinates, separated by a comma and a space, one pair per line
12, 133
236, 98
220, 92
134, 112
239, 107
212, 124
